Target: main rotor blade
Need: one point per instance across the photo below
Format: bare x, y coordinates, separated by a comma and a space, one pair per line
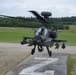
39, 17
22, 18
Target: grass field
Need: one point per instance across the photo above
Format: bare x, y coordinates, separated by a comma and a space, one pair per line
11, 34
69, 35
71, 64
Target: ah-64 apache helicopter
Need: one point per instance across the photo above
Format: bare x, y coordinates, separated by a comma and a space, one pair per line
43, 36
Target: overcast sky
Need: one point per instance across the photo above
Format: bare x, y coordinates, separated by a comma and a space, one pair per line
58, 8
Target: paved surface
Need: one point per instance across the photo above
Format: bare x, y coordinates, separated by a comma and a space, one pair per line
18, 46
42, 64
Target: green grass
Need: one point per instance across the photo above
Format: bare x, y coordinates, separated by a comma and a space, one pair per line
72, 28
71, 63
14, 34
69, 36
11, 34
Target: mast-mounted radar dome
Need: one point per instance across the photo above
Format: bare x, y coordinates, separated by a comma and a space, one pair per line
46, 13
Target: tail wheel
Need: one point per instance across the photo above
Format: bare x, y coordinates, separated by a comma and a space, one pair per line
40, 48
50, 53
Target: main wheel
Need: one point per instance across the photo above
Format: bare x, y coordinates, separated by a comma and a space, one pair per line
50, 53
33, 51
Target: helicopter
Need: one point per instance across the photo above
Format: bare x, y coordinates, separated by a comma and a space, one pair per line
43, 36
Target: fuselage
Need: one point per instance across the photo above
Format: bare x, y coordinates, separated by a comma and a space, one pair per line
44, 36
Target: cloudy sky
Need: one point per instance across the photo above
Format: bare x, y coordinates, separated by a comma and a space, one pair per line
58, 8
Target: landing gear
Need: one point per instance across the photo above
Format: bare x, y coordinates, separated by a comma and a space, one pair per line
33, 50
49, 52
63, 46
40, 48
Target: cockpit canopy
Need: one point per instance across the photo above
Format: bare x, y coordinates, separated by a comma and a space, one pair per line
43, 32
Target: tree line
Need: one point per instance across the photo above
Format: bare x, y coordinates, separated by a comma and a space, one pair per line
59, 23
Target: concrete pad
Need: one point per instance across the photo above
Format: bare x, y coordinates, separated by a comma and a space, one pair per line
42, 64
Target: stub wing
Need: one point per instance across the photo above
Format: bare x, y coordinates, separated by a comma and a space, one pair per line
27, 37
56, 40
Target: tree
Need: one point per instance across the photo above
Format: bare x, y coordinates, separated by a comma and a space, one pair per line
67, 27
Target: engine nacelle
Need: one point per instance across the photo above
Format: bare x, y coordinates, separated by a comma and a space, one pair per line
53, 34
